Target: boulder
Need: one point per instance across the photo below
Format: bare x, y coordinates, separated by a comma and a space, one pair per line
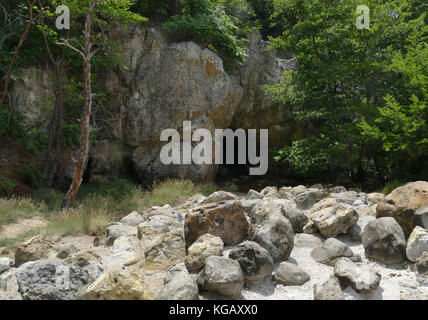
375, 198
226, 220
348, 197
179, 285
384, 240
117, 230
422, 264
162, 236
298, 190
5, 264
421, 218
289, 274
219, 196
83, 258
120, 283
287, 208
256, 262
361, 277
254, 195
338, 189
332, 250
356, 231
248, 205
306, 200
417, 244
303, 240
269, 190
48, 280
65, 250
275, 234
329, 290
223, 276
133, 219
403, 202
334, 220
207, 245
35, 248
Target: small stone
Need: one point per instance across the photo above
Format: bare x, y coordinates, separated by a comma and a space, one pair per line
289, 274
302, 240
330, 251
65, 250
359, 276
329, 290
5, 264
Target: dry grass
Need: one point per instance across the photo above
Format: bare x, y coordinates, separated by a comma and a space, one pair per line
96, 207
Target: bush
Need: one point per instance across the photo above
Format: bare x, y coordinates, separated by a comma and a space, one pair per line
208, 24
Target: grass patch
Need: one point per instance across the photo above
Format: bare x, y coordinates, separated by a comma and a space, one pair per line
13, 209
97, 205
173, 192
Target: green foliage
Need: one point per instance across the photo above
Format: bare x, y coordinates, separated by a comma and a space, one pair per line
361, 89
392, 185
30, 174
7, 186
209, 24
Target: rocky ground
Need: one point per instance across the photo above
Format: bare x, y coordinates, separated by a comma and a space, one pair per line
278, 244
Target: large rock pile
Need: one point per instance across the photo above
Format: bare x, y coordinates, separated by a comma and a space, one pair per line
220, 246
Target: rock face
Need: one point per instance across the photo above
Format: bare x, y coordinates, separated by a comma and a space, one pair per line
47, 280
206, 246
179, 285
417, 244
225, 220
223, 276
384, 240
256, 263
329, 290
120, 284
359, 276
332, 250
162, 235
334, 220
289, 274
403, 202
33, 249
256, 109
169, 84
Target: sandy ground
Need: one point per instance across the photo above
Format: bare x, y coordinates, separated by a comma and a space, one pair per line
397, 281
13, 230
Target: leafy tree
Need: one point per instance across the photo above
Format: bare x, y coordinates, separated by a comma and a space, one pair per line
344, 75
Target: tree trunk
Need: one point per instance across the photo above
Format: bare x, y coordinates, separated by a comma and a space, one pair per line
82, 157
